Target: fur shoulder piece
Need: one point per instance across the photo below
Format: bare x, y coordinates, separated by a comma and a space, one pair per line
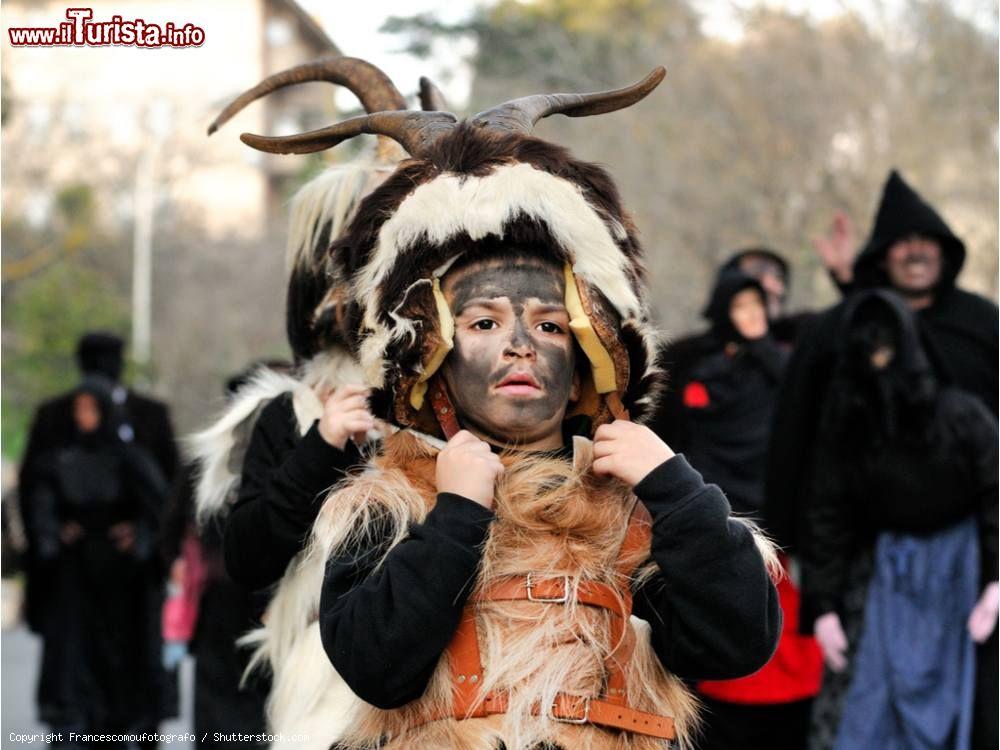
396, 488
218, 449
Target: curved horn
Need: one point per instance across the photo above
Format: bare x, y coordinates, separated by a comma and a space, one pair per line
415, 131
373, 87
520, 115
431, 98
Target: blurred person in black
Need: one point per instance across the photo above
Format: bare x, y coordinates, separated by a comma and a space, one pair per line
905, 473
92, 514
138, 419
912, 251
723, 402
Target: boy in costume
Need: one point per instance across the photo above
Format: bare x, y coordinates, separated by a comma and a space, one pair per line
479, 592
483, 570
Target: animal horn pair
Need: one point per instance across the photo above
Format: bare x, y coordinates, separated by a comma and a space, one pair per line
417, 131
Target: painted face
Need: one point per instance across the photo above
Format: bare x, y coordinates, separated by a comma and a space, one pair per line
913, 265
746, 311
512, 372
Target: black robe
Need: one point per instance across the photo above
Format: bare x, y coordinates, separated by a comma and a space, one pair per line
52, 430
100, 617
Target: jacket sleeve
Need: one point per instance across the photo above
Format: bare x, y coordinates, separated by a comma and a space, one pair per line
829, 538
981, 447
385, 628
281, 488
793, 429
712, 606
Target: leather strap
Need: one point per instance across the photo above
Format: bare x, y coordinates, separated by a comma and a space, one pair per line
615, 406
466, 665
444, 411
557, 590
575, 709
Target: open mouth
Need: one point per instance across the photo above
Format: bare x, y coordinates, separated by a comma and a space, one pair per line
519, 384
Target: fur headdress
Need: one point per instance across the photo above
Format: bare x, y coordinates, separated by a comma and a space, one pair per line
475, 182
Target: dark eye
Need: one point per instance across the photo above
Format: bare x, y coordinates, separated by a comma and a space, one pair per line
550, 327
484, 325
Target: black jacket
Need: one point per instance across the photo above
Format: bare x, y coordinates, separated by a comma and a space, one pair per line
712, 609
720, 403
53, 430
283, 483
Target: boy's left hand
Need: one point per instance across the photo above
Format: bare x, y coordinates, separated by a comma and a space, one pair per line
628, 451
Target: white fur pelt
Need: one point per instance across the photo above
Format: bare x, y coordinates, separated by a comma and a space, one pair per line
327, 203
288, 645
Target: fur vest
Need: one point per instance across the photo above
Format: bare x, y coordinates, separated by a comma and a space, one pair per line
553, 519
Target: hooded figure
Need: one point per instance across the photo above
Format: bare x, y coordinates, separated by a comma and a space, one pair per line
907, 468
725, 394
497, 299
959, 333
94, 510
139, 419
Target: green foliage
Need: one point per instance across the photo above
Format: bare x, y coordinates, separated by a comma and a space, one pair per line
43, 319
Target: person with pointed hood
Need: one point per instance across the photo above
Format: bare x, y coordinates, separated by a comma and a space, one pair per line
899, 540
725, 397
482, 572
92, 521
913, 252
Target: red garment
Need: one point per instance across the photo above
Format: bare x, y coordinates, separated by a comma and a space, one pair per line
794, 672
695, 395
180, 610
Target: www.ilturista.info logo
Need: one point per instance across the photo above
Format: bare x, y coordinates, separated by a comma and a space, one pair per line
82, 31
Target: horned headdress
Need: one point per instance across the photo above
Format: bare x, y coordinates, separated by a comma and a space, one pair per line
468, 186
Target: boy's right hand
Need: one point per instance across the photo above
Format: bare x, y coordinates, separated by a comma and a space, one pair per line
345, 415
466, 466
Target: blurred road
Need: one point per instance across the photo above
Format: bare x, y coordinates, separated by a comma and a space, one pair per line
20, 651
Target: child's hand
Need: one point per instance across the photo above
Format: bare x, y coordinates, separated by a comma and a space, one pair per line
628, 451
466, 466
345, 414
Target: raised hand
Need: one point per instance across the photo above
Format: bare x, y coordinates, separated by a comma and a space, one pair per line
466, 466
836, 249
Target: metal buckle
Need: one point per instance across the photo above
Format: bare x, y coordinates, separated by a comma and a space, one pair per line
570, 719
548, 599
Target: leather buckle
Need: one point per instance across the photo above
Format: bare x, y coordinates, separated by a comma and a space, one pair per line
529, 583
569, 719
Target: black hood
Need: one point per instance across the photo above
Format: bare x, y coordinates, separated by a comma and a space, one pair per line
903, 212
733, 264
910, 357
728, 284
100, 352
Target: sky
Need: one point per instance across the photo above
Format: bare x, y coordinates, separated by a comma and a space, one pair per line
355, 29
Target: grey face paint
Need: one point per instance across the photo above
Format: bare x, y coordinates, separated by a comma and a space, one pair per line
482, 360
